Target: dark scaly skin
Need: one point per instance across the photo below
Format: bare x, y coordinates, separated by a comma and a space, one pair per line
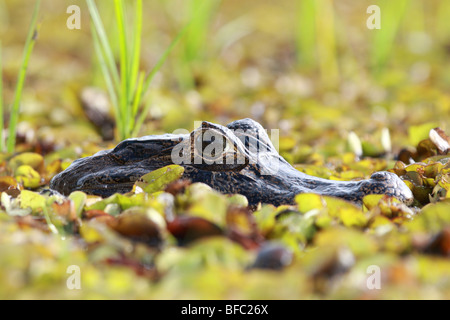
263, 176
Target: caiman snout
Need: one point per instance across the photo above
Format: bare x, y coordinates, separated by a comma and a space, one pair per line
388, 183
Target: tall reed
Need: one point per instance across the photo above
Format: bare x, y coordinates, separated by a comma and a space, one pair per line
2, 142
383, 42
126, 84
199, 14
15, 107
306, 33
316, 40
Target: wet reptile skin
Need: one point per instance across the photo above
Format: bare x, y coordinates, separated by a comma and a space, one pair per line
260, 174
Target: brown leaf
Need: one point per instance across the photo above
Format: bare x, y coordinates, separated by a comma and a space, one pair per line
242, 227
34, 222
425, 149
331, 262
99, 215
177, 187
407, 155
10, 186
7, 183
138, 227
65, 210
187, 229
440, 243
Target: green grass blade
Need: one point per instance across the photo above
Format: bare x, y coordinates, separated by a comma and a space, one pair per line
141, 118
138, 94
200, 13
124, 75
135, 127
2, 143
384, 39
105, 44
29, 45
127, 87
106, 75
306, 34
136, 48
163, 58
326, 43
153, 72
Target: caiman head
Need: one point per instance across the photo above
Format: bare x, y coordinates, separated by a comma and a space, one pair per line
239, 158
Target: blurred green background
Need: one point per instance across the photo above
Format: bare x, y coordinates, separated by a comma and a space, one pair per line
310, 68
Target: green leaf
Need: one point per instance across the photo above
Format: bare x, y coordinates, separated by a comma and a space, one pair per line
358, 242
349, 214
125, 202
79, 199
352, 217
32, 200
28, 177
294, 229
265, 218
12, 206
207, 203
34, 160
38, 205
238, 200
309, 201
433, 218
157, 180
420, 132
371, 201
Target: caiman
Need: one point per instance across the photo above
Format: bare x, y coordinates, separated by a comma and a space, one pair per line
236, 159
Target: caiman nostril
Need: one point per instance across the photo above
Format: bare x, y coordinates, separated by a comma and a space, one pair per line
389, 183
380, 176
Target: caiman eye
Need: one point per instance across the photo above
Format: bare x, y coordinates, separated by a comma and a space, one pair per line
210, 145
215, 150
